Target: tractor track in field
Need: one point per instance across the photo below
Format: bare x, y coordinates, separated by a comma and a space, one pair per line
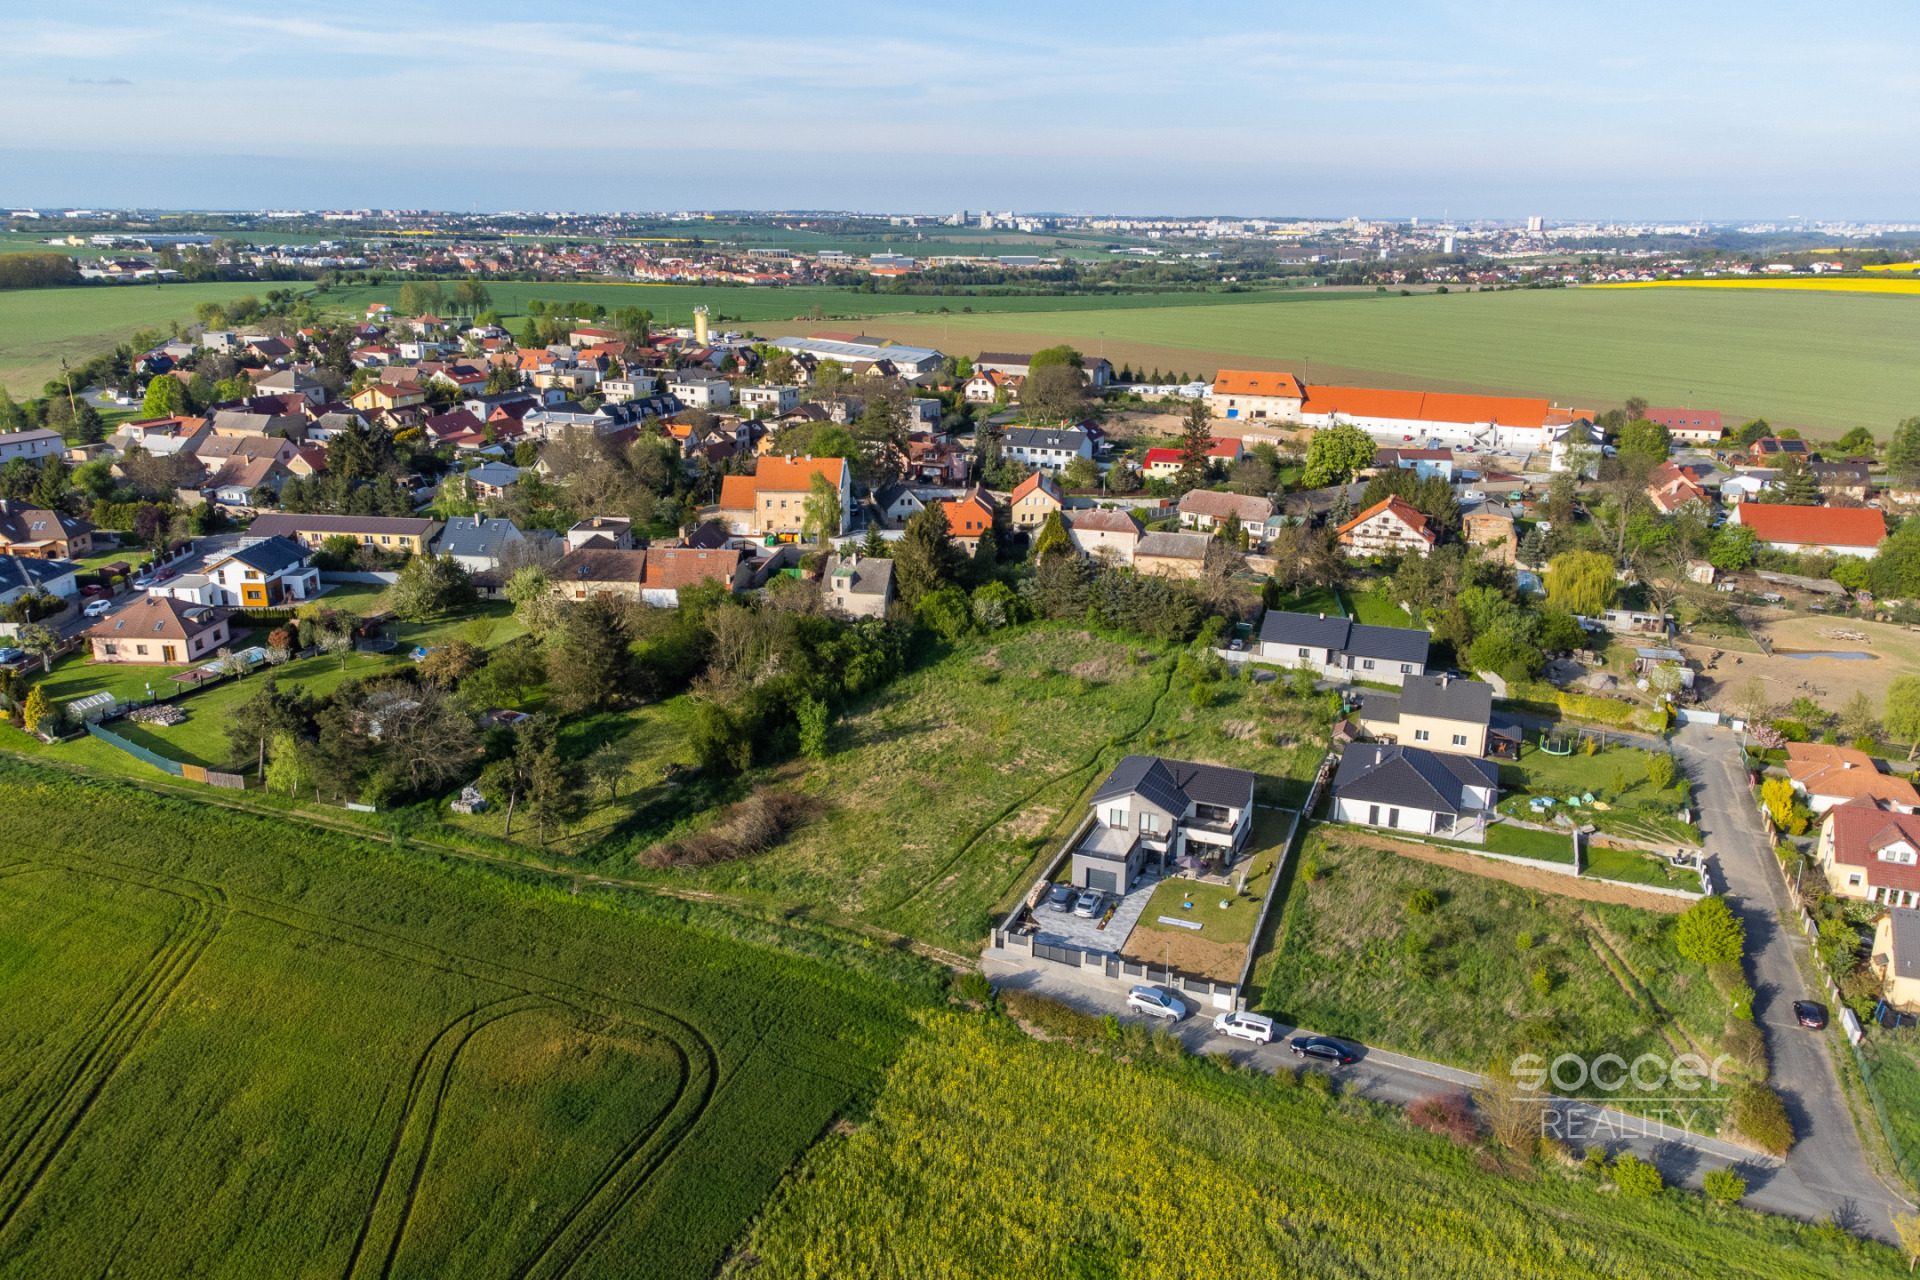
107, 1044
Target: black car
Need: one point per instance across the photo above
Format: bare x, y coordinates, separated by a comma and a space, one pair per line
1324, 1048
1810, 1014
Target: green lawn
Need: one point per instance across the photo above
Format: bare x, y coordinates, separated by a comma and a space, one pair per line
232, 1046
1375, 610
1313, 600
1634, 867
1457, 985
40, 327
1233, 926
1521, 842
1894, 1059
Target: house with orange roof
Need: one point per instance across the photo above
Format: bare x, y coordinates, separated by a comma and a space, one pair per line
1166, 463
1671, 488
1034, 499
1418, 416
389, 395
1244, 394
1390, 528
969, 516
1832, 775
772, 502
1840, 531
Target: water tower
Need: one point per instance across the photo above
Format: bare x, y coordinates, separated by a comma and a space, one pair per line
700, 325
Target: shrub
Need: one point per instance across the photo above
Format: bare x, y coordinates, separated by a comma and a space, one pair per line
1317, 1082
1743, 1043
1708, 932
1660, 771
1543, 980
1051, 1016
751, 826
1422, 902
975, 987
1635, 1177
1524, 942
1725, 1185
1792, 730
1202, 695
1446, 1114
1761, 1118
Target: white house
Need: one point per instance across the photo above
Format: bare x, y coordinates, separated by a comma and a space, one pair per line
1045, 449
1342, 649
1840, 531
774, 399
1411, 789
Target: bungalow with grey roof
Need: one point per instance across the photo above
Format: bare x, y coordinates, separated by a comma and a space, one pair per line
1342, 649
1409, 789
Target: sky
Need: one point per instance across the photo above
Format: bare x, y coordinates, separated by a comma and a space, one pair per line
1491, 109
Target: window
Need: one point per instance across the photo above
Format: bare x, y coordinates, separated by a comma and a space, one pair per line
1149, 822
140, 649
1854, 878
1116, 817
1305, 653
1373, 815
1406, 668
1459, 739
1366, 664
1421, 735
1393, 817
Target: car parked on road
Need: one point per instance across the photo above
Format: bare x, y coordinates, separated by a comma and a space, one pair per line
1089, 905
10, 654
1325, 1048
1156, 1002
1256, 1027
1810, 1014
98, 609
1060, 898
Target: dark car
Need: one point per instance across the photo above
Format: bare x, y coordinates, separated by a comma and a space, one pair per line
1324, 1048
1810, 1014
1060, 898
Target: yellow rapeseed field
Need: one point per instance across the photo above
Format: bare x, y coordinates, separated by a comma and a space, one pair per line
1853, 285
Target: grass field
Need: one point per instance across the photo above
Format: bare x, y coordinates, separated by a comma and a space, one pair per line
1894, 1059
1458, 985
1631, 866
1375, 610
1188, 1170
1823, 360
230, 1047
40, 327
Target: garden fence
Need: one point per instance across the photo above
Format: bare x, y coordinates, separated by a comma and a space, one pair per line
187, 772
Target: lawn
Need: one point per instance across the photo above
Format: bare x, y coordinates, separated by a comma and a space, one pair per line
1313, 600
986, 1148
1523, 842
1233, 926
1354, 958
1828, 361
1894, 1059
1631, 866
1375, 610
40, 327
233, 1047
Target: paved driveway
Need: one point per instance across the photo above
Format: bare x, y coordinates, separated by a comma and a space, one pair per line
1064, 929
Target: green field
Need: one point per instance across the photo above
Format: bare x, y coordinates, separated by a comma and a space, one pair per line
230, 1047
40, 327
1828, 361
991, 1155
1457, 986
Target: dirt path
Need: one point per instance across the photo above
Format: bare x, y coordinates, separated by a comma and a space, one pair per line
1526, 877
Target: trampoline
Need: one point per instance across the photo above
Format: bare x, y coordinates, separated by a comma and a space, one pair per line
1557, 744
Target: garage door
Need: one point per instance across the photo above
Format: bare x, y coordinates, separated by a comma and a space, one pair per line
1105, 881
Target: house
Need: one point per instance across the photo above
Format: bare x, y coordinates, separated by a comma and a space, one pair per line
218, 450
1250, 394
38, 534
1342, 649
1033, 500
630, 387
1871, 854
1832, 775
936, 462
478, 544
1689, 426
1388, 528
768, 399
1424, 463
605, 532
1842, 479
1746, 485
1207, 511
781, 487
31, 445
1507, 422
736, 508
1672, 489
491, 480
652, 576
389, 396
1441, 713
235, 483
291, 382
1896, 956
264, 574
1770, 449
21, 576
859, 586
700, 390
1105, 534
1843, 531
1411, 789
1046, 449
1489, 526
986, 388
1162, 811
389, 533
969, 516
249, 422
159, 631
669, 569
1172, 555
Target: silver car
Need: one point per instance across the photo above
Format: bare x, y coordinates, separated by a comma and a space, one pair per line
1156, 1002
1089, 905
1255, 1027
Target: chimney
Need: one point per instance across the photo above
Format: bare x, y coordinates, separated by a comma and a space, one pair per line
1846, 764
1323, 617
1443, 680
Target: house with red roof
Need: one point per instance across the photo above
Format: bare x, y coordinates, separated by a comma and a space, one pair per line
1418, 416
1834, 775
1871, 854
969, 516
1388, 528
1840, 531
773, 500
1034, 499
1672, 487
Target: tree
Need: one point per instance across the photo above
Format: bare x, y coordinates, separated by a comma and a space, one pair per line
1776, 795
816, 723
1734, 547
1053, 538
287, 767
1709, 933
431, 585
1635, 1177
1646, 438
592, 664
1580, 582
1055, 391
1512, 1111
1857, 441
1903, 448
924, 559
165, 398
36, 710
424, 732
1196, 438
1725, 1185
1794, 484
1907, 1227
448, 666
822, 513
1660, 770
1081, 473
40, 641
1758, 429
1336, 453
1901, 714
608, 765
1856, 718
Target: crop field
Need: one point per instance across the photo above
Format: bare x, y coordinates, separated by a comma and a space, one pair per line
1184, 1169
1830, 361
233, 1047
40, 327
1457, 984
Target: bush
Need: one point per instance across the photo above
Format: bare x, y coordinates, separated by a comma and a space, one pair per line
751, 826
1743, 1043
1202, 695
1760, 1117
975, 987
1052, 1017
1447, 1115
1524, 942
1724, 1185
1635, 1177
1543, 980
1708, 932
1422, 902
1792, 730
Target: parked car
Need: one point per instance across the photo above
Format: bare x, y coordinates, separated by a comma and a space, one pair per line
94, 589
1772, 597
142, 582
10, 654
1256, 1027
1089, 905
1810, 1014
1060, 898
1325, 1048
98, 609
1235, 645
1156, 1002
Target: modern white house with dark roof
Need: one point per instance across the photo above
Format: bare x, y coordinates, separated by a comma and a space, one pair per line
1342, 649
1047, 448
1414, 790
1155, 811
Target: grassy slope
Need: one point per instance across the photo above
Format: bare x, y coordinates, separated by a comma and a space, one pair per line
1190, 1171
39, 327
1344, 965
1822, 360
244, 1131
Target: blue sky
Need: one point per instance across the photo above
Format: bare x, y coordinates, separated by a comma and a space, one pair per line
1489, 109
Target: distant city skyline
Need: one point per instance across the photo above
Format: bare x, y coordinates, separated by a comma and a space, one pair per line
1624, 112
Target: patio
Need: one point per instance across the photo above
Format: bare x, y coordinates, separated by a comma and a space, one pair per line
1064, 929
